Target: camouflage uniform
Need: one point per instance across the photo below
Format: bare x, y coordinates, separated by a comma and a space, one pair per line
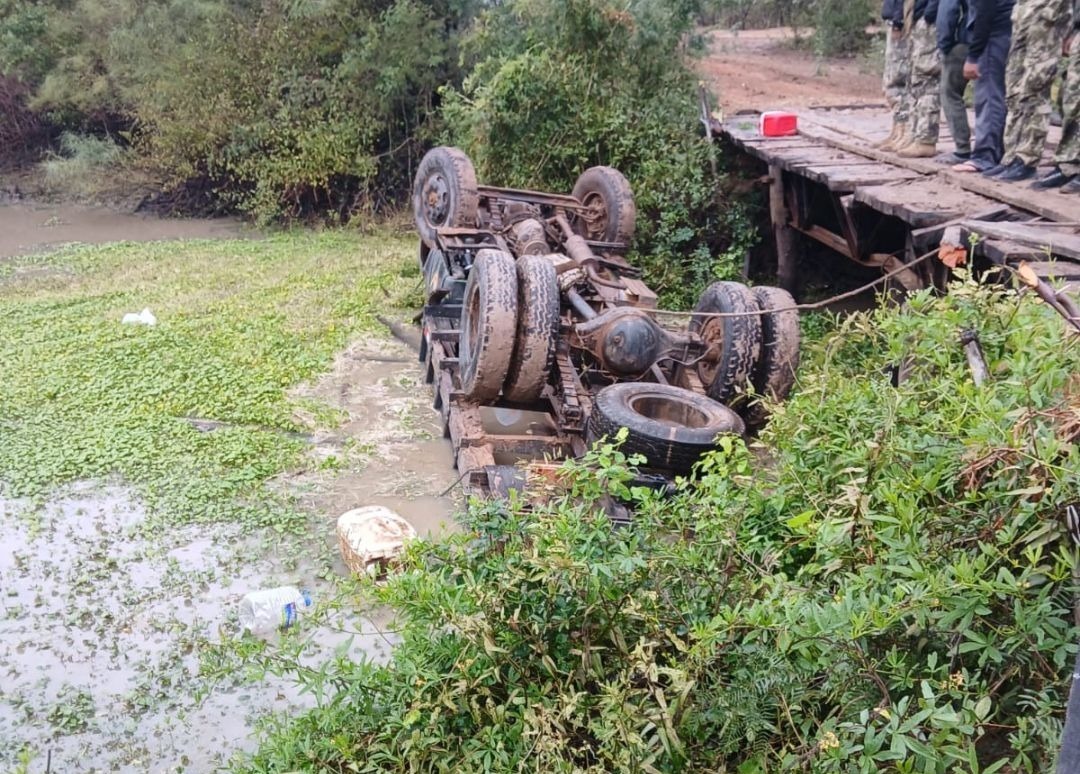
925, 84
897, 77
1039, 28
1067, 156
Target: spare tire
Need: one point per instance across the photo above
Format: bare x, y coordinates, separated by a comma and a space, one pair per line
736, 339
444, 192
672, 427
537, 331
774, 372
610, 212
488, 320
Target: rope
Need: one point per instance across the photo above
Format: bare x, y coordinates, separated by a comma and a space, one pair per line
803, 307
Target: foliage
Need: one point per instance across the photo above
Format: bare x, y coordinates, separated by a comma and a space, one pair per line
293, 107
840, 26
893, 592
21, 128
239, 322
290, 105
557, 87
83, 159
299, 106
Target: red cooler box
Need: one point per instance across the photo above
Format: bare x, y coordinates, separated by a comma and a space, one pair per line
778, 123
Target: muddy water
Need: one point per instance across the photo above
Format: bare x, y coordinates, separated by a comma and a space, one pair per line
33, 228
391, 441
101, 623
104, 613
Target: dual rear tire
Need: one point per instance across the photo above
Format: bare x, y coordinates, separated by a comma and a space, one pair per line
509, 326
757, 347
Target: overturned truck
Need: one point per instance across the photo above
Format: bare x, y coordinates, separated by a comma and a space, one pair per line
540, 337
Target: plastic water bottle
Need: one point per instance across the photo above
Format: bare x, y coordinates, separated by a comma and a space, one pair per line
263, 611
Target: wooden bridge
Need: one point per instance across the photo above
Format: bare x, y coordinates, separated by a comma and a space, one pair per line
828, 184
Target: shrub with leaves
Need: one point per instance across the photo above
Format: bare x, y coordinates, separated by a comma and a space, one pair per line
560, 86
888, 589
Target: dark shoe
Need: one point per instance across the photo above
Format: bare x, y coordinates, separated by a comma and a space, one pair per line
1054, 179
1072, 187
955, 157
1016, 172
995, 170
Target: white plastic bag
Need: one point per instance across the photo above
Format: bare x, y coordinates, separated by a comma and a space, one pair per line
145, 317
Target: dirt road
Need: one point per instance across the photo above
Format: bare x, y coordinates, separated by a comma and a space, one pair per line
763, 69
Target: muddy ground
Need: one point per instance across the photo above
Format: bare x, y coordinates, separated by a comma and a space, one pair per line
103, 616
765, 69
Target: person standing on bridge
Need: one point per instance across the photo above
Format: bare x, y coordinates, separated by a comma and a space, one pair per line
952, 33
1038, 34
898, 16
1066, 172
924, 85
990, 31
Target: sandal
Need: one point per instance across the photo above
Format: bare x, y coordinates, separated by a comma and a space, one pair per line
967, 167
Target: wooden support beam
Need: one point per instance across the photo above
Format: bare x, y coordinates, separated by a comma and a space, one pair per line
829, 239
787, 257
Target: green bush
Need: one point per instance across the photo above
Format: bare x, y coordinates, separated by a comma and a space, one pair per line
560, 86
840, 26
891, 592
82, 162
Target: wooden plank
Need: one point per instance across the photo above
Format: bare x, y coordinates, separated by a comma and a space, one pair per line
1067, 245
1056, 270
829, 239
845, 179
922, 202
924, 238
1052, 205
1001, 251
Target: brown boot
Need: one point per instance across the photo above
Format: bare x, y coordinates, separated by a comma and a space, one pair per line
893, 134
917, 150
901, 139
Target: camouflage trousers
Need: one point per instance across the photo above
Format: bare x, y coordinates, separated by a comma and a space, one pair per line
1068, 151
924, 87
1039, 27
897, 75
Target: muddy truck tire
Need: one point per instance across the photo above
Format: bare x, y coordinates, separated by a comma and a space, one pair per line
672, 427
774, 372
736, 340
610, 212
444, 192
537, 331
488, 321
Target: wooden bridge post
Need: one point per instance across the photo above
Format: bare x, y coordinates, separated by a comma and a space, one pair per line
784, 236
